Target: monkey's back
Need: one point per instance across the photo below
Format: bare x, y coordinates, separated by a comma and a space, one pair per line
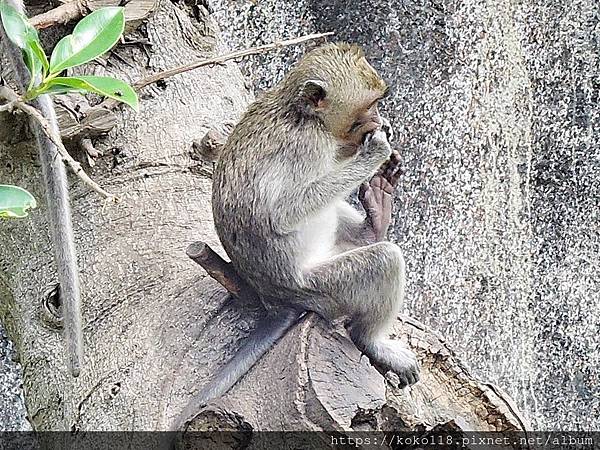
254, 177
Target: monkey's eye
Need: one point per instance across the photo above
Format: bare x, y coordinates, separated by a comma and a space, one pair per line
355, 126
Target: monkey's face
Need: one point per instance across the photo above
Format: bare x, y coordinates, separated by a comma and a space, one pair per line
340, 88
353, 113
354, 127
359, 123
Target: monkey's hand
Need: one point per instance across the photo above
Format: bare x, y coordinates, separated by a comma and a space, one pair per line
376, 197
375, 148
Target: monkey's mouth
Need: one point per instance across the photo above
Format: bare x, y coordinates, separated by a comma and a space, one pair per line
369, 127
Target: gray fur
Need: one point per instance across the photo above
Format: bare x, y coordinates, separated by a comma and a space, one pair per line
267, 333
279, 210
57, 199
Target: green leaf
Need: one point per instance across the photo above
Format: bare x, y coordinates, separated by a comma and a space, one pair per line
32, 63
57, 88
93, 36
106, 86
17, 27
38, 51
23, 35
14, 201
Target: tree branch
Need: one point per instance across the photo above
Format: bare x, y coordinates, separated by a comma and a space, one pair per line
221, 270
62, 14
14, 102
221, 59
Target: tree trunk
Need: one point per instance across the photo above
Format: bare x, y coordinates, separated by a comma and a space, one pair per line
156, 326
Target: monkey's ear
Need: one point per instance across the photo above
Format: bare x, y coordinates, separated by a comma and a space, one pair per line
313, 95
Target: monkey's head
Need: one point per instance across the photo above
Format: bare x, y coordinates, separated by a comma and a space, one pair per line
336, 85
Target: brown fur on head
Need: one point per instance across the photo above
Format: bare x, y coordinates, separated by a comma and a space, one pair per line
336, 84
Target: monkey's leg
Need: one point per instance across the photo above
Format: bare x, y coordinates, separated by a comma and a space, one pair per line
353, 230
376, 197
367, 284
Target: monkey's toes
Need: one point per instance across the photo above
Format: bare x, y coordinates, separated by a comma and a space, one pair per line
392, 356
409, 377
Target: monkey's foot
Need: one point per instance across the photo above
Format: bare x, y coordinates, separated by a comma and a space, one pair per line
376, 196
387, 355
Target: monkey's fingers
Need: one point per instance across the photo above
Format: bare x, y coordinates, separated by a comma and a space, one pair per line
390, 166
395, 157
362, 190
393, 179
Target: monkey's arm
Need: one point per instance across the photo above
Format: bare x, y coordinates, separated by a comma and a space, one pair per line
301, 201
57, 200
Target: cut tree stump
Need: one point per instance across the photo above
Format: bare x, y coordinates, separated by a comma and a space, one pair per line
315, 379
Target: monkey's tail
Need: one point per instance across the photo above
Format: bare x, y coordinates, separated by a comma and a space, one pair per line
57, 199
268, 331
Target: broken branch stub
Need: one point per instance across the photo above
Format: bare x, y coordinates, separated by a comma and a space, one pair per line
221, 270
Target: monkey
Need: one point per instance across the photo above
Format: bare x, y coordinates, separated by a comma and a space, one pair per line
279, 200
57, 200
279, 205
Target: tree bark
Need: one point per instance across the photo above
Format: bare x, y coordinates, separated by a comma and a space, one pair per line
156, 326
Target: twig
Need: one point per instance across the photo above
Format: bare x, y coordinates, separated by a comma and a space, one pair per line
14, 100
90, 151
9, 106
221, 59
221, 270
62, 14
